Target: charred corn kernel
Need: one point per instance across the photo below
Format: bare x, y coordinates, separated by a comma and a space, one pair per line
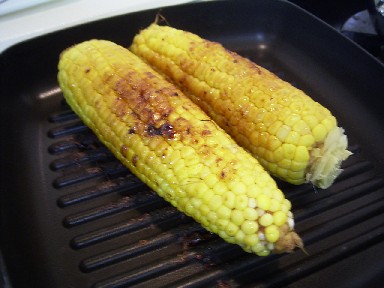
269, 117
169, 143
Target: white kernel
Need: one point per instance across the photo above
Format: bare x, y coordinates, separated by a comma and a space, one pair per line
260, 211
291, 223
270, 246
252, 203
261, 236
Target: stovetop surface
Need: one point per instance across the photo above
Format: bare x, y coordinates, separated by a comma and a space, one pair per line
352, 19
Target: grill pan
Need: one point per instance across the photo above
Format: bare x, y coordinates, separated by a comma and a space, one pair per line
73, 216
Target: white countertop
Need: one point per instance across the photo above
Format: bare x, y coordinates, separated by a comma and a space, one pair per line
25, 19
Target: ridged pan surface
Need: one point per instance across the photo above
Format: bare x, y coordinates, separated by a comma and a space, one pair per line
73, 216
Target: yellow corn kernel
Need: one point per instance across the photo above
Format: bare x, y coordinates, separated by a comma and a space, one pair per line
250, 214
264, 252
224, 212
237, 217
259, 110
311, 120
319, 132
283, 132
251, 240
278, 195
306, 140
231, 229
204, 209
221, 224
272, 233
212, 217
279, 218
249, 227
286, 205
242, 201
266, 220
169, 143
275, 205
215, 202
263, 201
259, 249
238, 187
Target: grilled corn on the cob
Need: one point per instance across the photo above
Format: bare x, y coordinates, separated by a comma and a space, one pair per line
293, 137
174, 147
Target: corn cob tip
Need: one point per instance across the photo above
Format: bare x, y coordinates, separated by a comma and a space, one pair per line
288, 242
326, 159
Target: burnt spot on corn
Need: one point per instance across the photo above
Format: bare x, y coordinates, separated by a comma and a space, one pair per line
87, 70
165, 129
206, 132
183, 80
135, 159
185, 129
149, 74
124, 150
148, 103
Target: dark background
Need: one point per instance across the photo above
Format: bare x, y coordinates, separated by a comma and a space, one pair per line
337, 13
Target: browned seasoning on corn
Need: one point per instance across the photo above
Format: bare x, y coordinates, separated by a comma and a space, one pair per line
292, 136
172, 145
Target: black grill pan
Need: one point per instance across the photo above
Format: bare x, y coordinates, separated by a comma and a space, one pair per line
73, 216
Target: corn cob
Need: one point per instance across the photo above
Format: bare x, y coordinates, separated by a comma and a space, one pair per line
172, 145
292, 136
